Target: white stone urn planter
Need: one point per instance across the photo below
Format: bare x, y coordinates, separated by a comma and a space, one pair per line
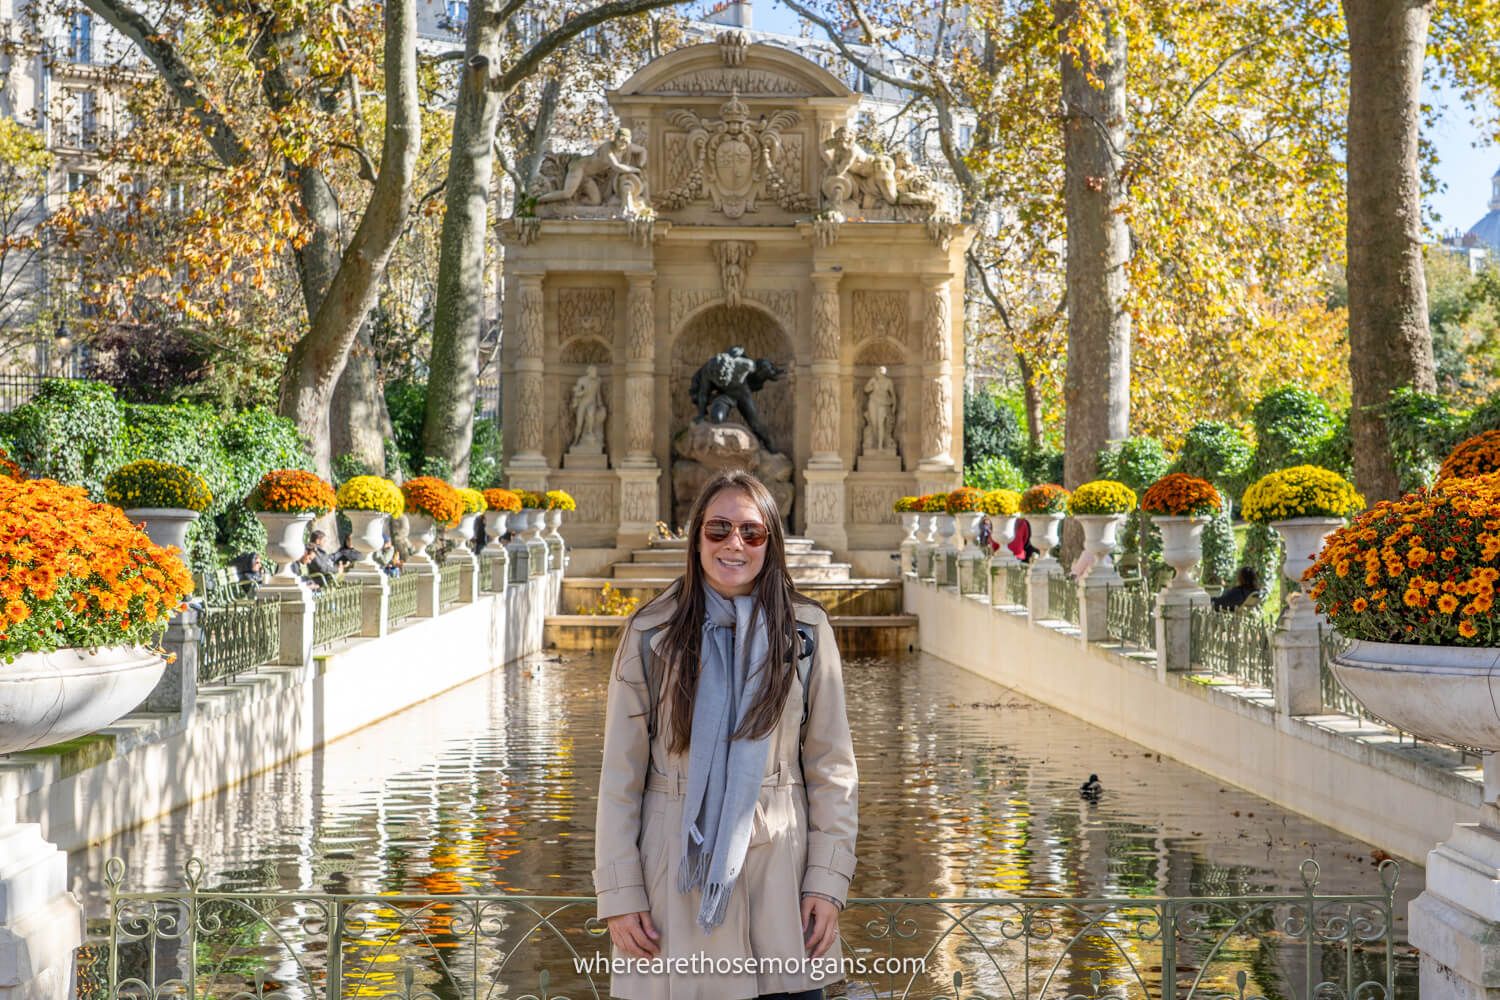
1302, 538
494, 527
1443, 693
1044, 532
48, 698
1181, 549
908, 548
1003, 527
165, 525
1100, 537
556, 546
421, 532
286, 538
462, 533
367, 536
536, 545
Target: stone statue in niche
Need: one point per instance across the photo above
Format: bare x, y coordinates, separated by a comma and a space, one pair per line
710, 443
855, 180
613, 174
734, 264
878, 453
880, 412
735, 162
728, 381
586, 450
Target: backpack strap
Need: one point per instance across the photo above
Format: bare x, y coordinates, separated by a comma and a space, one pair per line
649, 665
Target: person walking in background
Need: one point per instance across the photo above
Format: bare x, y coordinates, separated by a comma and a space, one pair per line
1246, 586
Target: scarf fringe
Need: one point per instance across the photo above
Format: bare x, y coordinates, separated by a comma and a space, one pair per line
692, 870
715, 904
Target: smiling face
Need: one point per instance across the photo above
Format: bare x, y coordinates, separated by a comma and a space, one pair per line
731, 566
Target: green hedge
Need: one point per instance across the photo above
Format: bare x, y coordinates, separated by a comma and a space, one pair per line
1292, 427
78, 432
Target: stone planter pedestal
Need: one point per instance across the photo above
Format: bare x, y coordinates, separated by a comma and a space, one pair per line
462, 537
518, 552
1445, 693
49, 698
539, 561
927, 544
1003, 527
945, 556
1044, 532
1182, 549
1099, 538
494, 558
973, 563
909, 523
557, 548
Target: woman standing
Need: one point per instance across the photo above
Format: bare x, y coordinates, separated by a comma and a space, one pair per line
728, 810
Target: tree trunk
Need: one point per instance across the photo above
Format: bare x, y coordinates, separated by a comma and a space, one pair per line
1389, 343
318, 359
1031, 397
1096, 387
358, 418
448, 424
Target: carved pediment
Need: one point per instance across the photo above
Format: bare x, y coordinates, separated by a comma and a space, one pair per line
729, 66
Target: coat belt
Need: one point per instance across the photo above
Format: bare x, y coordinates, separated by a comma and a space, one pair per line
675, 785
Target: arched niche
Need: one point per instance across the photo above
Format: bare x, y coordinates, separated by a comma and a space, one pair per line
718, 328
585, 351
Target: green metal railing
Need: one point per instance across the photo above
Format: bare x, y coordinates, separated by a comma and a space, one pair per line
237, 638
1234, 643
1335, 698
448, 583
403, 599
487, 574
1300, 945
336, 613
1015, 583
1130, 616
1062, 598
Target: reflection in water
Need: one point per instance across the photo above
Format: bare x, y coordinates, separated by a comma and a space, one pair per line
967, 789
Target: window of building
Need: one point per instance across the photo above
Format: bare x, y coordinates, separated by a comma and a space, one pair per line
88, 119
81, 37
78, 180
456, 14
965, 136
176, 196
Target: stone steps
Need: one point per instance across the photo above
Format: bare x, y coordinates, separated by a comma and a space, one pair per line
857, 635
826, 573
666, 557
849, 597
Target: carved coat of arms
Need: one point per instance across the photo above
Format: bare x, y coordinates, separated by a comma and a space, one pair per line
734, 161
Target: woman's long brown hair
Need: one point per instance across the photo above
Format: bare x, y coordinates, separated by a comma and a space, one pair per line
775, 598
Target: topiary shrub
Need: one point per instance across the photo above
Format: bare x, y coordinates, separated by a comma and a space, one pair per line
348, 466
1041, 464
994, 473
70, 431
1137, 462
485, 469
1219, 452
1292, 427
992, 429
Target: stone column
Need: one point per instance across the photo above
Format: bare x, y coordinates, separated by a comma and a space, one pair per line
937, 378
825, 472
528, 465
1174, 629
1454, 922
177, 691
1093, 601
374, 599
296, 606
41, 922
640, 475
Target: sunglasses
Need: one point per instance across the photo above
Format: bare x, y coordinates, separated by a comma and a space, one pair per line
752, 533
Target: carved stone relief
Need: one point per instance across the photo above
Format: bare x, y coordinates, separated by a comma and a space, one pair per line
641, 333
823, 505
529, 337
585, 312
639, 416
683, 302
584, 351
596, 501
856, 182
826, 322
880, 352
529, 411
733, 80
733, 46
638, 502
609, 181
879, 314
731, 161
873, 504
937, 331
937, 418
825, 415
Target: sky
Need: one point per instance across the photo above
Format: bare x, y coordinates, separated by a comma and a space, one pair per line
1463, 170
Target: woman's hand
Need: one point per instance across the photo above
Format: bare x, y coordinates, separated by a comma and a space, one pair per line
634, 934
820, 925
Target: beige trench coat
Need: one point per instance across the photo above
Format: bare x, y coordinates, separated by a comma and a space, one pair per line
803, 836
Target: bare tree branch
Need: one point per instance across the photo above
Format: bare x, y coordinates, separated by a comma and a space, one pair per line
532, 58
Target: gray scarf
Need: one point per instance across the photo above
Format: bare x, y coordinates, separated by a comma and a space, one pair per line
724, 776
